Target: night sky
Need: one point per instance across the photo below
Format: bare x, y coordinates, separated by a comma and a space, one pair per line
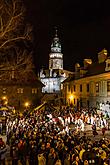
83, 28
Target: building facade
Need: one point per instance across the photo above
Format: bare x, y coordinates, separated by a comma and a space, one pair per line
21, 93
90, 85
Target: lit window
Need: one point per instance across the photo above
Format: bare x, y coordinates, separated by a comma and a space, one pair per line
20, 90
4, 90
108, 86
34, 90
97, 87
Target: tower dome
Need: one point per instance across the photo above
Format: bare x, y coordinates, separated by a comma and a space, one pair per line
56, 46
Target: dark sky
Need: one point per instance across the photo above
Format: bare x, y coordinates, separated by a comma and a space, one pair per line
83, 27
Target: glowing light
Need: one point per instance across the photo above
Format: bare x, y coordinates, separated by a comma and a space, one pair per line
6, 102
26, 104
71, 97
4, 97
56, 55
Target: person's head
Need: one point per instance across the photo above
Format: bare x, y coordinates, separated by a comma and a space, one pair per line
52, 150
77, 158
58, 161
86, 162
68, 156
43, 146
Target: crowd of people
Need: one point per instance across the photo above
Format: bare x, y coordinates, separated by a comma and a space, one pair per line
46, 137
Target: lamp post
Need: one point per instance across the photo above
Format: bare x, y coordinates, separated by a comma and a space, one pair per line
71, 99
26, 104
4, 100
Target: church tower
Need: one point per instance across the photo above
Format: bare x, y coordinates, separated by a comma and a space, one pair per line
55, 57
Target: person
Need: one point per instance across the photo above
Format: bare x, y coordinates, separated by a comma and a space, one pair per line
86, 162
3, 151
103, 129
0, 127
94, 130
41, 159
67, 160
58, 162
14, 154
76, 160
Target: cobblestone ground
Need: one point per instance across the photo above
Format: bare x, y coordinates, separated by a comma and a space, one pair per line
88, 131
99, 131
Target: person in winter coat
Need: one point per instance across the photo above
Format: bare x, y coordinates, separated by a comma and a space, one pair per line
103, 130
51, 157
67, 160
58, 162
41, 159
14, 154
3, 150
94, 130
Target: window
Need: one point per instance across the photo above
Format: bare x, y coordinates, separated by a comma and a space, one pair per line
74, 100
20, 90
80, 87
34, 90
68, 87
97, 87
108, 86
87, 87
74, 88
4, 90
45, 83
71, 89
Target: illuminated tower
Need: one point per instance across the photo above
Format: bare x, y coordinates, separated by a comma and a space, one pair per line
55, 57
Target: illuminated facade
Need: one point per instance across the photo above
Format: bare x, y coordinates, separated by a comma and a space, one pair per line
90, 85
21, 92
53, 76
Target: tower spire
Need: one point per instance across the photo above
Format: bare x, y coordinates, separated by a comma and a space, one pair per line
56, 32
56, 46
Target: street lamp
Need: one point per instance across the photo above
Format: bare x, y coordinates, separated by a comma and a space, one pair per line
4, 98
26, 104
71, 99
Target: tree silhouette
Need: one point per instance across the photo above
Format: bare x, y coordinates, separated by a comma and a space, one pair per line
15, 40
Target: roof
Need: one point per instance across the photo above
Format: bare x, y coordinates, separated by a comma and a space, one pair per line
29, 80
71, 78
36, 83
92, 70
96, 68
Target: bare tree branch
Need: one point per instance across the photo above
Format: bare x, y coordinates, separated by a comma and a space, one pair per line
14, 32
12, 15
